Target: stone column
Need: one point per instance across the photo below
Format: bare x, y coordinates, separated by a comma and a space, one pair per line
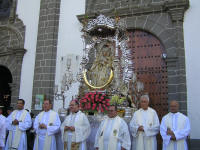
46, 50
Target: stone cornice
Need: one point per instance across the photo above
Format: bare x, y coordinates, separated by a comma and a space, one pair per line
19, 52
176, 10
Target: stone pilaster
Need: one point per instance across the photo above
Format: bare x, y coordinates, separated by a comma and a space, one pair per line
46, 51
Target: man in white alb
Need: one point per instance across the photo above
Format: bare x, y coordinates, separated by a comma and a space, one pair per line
144, 126
174, 129
17, 123
47, 124
75, 129
113, 132
2, 128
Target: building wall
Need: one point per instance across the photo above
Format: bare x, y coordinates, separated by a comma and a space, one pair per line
191, 36
28, 12
69, 42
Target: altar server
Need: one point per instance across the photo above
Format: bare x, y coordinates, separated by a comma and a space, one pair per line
144, 126
75, 129
2, 129
17, 123
174, 129
113, 133
47, 124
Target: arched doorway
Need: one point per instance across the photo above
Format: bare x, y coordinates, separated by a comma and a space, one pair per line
151, 68
5, 91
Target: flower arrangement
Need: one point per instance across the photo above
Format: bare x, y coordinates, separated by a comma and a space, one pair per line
94, 102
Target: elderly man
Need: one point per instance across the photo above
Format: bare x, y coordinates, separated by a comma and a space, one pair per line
2, 128
174, 129
144, 126
47, 124
113, 133
17, 123
75, 129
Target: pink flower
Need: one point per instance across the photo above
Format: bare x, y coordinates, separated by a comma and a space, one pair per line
102, 109
93, 106
106, 108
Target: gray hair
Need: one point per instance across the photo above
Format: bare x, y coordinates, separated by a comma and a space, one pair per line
146, 96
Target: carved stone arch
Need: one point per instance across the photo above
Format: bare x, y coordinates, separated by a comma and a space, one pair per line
160, 31
12, 52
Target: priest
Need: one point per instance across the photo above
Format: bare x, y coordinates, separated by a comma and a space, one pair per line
75, 129
113, 133
2, 128
47, 124
144, 126
17, 123
174, 129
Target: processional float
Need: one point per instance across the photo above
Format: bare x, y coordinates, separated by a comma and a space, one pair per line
107, 64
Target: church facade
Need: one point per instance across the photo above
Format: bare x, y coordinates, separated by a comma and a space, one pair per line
37, 43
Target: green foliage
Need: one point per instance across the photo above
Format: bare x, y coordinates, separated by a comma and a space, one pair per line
117, 100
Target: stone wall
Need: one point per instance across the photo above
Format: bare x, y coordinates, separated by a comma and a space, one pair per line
46, 50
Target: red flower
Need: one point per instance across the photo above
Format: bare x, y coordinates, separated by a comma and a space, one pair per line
94, 101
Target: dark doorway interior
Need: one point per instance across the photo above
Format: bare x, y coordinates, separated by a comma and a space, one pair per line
5, 91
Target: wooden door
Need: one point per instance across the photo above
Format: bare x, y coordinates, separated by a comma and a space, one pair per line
151, 69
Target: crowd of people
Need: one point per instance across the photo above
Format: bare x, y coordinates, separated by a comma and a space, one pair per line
113, 133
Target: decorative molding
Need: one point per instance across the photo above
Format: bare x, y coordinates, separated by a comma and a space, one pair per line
19, 52
13, 15
176, 10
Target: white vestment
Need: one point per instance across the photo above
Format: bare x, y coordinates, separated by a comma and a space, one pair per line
149, 120
23, 126
113, 132
82, 130
180, 125
52, 128
2, 130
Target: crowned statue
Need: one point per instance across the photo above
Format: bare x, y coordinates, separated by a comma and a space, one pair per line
103, 63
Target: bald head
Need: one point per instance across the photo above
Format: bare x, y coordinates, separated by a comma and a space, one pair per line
174, 106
